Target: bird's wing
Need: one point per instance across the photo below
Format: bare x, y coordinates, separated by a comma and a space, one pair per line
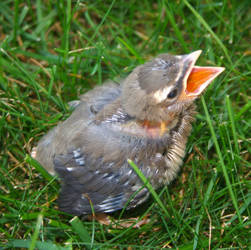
84, 187
98, 97
90, 103
101, 95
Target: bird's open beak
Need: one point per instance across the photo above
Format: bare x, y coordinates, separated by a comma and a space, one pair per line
197, 78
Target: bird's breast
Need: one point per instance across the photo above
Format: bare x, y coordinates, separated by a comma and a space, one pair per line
144, 129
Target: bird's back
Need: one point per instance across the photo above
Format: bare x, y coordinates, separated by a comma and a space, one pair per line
61, 138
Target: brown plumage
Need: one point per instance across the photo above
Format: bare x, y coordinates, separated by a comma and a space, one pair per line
147, 118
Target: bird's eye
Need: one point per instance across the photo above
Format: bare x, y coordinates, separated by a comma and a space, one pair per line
172, 93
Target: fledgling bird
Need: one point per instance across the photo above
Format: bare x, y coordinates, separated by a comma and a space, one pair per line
147, 118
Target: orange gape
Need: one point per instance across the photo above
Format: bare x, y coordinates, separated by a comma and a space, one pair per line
198, 80
198, 76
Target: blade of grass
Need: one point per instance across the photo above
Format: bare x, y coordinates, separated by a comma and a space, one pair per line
103, 20
83, 234
15, 28
40, 20
245, 206
245, 108
175, 27
152, 191
149, 187
231, 117
130, 48
39, 245
217, 147
66, 28
205, 200
32, 81
39, 168
204, 23
36, 232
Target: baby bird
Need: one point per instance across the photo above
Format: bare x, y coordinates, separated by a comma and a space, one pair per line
147, 118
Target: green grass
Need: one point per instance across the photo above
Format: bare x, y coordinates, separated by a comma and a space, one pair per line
52, 51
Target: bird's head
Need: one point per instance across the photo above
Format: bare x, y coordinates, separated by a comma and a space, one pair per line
164, 85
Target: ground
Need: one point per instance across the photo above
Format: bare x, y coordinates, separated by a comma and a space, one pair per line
52, 51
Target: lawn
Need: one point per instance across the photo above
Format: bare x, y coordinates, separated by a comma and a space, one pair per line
53, 51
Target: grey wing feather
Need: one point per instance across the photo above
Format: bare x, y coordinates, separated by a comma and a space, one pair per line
83, 187
58, 138
102, 95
